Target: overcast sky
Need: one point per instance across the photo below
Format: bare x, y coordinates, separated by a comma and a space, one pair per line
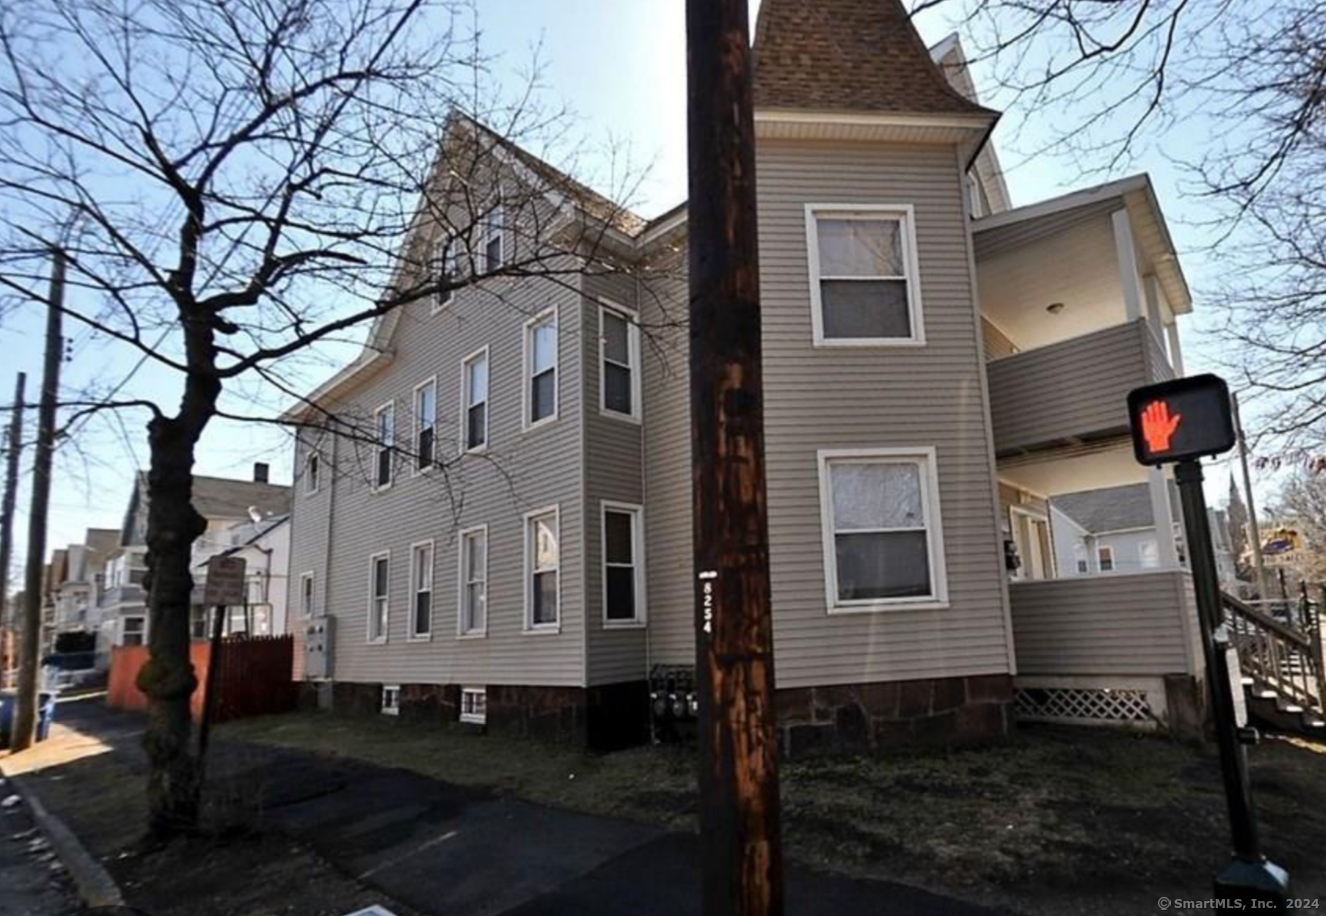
620, 65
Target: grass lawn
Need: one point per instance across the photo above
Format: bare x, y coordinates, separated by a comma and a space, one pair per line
1058, 820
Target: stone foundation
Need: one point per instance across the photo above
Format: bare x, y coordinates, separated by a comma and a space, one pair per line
602, 718
884, 716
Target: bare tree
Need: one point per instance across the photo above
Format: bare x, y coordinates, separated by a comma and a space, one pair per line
239, 181
1301, 503
1234, 92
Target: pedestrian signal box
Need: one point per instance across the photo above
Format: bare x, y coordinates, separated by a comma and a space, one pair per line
1181, 420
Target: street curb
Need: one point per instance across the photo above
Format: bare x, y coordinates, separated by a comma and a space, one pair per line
95, 886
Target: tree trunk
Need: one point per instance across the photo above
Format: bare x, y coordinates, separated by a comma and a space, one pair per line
168, 678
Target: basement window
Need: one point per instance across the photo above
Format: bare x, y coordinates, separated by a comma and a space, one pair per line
391, 699
474, 705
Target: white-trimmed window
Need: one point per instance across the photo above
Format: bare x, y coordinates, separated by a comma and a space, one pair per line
623, 565
1148, 554
542, 565
425, 424
1105, 558
474, 401
312, 472
445, 269
619, 381
306, 595
391, 699
541, 368
1080, 558
474, 581
474, 705
864, 279
384, 422
421, 590
134, 631
883, 541
379, 595
494, 239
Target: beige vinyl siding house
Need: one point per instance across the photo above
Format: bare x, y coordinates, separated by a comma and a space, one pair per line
898, 471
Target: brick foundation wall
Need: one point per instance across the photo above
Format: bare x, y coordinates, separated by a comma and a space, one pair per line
883, 716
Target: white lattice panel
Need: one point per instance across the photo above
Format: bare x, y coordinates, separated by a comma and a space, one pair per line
1099, 704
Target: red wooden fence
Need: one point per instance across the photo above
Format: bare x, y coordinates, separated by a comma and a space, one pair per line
254, 678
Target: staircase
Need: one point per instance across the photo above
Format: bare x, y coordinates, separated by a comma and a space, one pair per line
1284, 678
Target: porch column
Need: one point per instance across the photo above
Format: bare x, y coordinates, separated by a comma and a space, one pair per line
1175, 351
1130, 278
1163, 513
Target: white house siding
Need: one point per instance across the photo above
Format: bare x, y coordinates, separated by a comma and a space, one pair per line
522, 471
613, 471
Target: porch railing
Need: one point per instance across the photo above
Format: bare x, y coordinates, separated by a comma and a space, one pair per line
1282, 661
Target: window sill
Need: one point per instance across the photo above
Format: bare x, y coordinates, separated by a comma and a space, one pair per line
473, 634
472, 719
477, 450
829, 343
535, 427
380, 641
421, 637
625, 624
378, 491
543, 629
617, 415
876, 607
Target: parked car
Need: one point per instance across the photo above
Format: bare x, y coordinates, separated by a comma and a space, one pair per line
66, 670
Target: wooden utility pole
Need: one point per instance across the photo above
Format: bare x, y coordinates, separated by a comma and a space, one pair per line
25, 718
13, 448
1254, 532
740, 840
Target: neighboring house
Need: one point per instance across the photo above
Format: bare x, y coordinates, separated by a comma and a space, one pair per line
77, 594
937, 368
264, 546
225, 504
1107, 530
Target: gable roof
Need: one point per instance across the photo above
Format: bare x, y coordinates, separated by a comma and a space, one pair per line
215, 498
848, 55
1113, 508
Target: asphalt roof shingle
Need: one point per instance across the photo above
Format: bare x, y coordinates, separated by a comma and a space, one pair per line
848, 55
1113, 508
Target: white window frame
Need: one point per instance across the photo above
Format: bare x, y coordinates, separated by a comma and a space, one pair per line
632, 320
413, 633
392, 692
389, 407
1142, 551
449, 261
527, 368
637, 513
369, 637
1101, 551
481, 353
926, 459
312, 472
474, 718
499, 211
462, 583
1081, 559
142, 634
526, 532
306, 613
418, 427
905, 215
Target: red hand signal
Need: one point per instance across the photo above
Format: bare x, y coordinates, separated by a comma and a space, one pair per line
1158, 426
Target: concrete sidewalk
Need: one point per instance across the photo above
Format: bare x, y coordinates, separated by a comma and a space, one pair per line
451, 851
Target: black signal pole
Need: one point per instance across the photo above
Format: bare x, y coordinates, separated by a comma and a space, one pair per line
740, 841
1250, 877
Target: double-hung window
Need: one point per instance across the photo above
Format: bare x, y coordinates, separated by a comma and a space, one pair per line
306, 582
620, 384
445, 270
541, 368
425, 424
385, 424
623, 569
135, 631
379, 588
1105, 558
474, 581
542, 564
494, 240
883, 543
864, 280
474, 401
421, 590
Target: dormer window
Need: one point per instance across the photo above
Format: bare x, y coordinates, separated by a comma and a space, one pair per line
864, 280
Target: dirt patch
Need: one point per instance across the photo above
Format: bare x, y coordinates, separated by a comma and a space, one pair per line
1057, 820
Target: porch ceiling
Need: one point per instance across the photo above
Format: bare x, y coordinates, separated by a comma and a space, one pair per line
1068, 471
